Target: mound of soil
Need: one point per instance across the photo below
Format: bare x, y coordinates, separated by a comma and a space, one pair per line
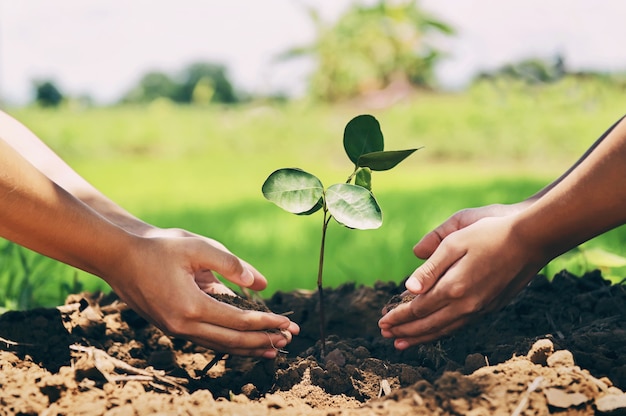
560, 347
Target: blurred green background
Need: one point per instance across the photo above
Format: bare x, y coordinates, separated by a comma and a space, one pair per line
201, 168
199, 163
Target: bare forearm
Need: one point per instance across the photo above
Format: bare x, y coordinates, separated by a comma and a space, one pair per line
36, 213
588, 201
27, 144
589, 151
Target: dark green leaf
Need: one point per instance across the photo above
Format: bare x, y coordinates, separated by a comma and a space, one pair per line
384, 160
293, 190
353, 206
362, 135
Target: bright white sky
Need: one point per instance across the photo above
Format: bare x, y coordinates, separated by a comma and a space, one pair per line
102, 47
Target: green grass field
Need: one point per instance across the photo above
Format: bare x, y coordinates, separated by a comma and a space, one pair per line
201, 168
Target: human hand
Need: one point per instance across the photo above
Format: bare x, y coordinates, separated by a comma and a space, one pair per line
206, 279
474, 270
164, 279
461, 219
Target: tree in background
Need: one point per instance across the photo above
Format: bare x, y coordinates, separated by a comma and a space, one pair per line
47, 94
371, 46
199, 76
531, 71
200, 83
151, 86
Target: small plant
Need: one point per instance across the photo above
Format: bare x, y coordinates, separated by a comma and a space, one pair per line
351, 205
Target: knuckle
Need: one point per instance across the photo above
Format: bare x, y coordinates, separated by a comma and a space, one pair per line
174, 327
457, 289
245, 324
234, 340
475, 306
231, 265
428, 272
415, 310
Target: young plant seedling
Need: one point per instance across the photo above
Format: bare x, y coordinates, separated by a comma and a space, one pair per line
351, 205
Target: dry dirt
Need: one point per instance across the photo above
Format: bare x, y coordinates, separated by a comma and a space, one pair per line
559, 348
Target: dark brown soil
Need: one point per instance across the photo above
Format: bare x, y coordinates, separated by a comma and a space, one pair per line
560, 348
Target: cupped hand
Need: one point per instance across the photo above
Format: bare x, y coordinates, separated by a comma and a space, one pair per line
474, 270
165, 279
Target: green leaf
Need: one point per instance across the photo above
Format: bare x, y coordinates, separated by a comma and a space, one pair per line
353, 206
363, 178
384, 160
317, 207
294, 190
362, 135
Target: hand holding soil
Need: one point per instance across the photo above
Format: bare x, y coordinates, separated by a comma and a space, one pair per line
468, 275
477, 263
164, 283
164, 275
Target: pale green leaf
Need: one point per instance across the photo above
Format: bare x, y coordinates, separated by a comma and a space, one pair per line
294, 190
353, 206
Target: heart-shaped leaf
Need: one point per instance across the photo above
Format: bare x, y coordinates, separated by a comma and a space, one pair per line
353, 206
362, 135
384, 160
294, 190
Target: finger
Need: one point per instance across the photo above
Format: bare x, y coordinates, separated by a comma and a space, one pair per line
260, 282
216, 288
261, 343
226, 328
433, 326
404, 314
427, 245
229, 316
222, 261
425, 276
431, 241
406, 342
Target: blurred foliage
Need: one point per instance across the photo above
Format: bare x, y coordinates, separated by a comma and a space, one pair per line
47, 94
201, 168
199, 83
531, 71
371, 46
538, 71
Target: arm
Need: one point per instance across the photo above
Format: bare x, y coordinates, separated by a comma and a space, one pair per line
25, 142
483, 266
159, 277
50, 164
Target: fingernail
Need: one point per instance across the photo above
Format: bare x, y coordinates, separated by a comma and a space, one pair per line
413, 285
246, 277
401, 344
281, 343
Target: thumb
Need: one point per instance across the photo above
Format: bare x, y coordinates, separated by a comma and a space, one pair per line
226, 264
426, 275
427, 245
431, 241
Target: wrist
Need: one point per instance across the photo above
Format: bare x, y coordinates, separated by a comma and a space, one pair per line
540, 240
121, 260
